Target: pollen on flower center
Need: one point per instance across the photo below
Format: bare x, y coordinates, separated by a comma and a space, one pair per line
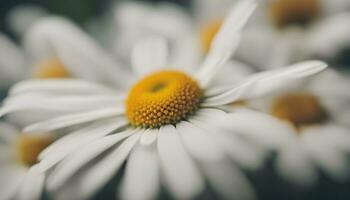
294, 12
207, 34
28, 148
299, 109
51, 68
165, 97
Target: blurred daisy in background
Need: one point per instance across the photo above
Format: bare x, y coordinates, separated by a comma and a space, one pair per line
292, 30
295, 30
34, 59
162, 119
19, 178
318, 136
133, 21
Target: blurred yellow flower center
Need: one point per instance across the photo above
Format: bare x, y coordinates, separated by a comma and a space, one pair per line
51, 68
207, 34
294, 12
165, 97
29, 147
299, 109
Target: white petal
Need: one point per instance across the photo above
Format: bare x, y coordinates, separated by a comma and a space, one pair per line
199, 143
32, 186
248, 155
324, 41
258, 127
141, 179
337, 136
335, 6
226, 40
8, 133
56, 36
69, 166
23, 16
150, 55
232, 72
149, 137
63, 147
327, 157
12, 62
294, 165
180, 173
98, 175
70, 100
58, 86
64, 104
228, 181
266, 82
6, 154
73, 119
10, 179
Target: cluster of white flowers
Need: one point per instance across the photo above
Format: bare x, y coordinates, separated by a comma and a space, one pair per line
165, 100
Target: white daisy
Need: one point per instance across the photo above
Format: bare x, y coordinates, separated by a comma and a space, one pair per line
295, 30
19, 177
319, 136
164, 120
133, 21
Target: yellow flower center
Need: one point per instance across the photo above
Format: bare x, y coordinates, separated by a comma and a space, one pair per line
294, 12
51, 68
29, 147
207, 34
165, 97
299, 109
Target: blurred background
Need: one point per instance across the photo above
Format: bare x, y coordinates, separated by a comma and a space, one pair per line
80, 11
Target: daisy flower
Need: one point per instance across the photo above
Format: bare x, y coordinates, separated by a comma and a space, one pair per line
19, 178
295, 30
126, 20
163, 120
318, 135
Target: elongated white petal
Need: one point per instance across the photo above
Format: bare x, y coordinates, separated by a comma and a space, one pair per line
73, 119
141, 179
12, 62
181, 175
69, 166
11, 178
22, 17
102, 172
32, 186
58, 86
226, 40
327, 157
73, 100
149, 137
8, 133
248, 155
32, 102
266, 82
6, 154
82, 135
323, 33
258, 127
199, 143
63, 147
56, 36
150, 55
338, 137
228, 181
294, 165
